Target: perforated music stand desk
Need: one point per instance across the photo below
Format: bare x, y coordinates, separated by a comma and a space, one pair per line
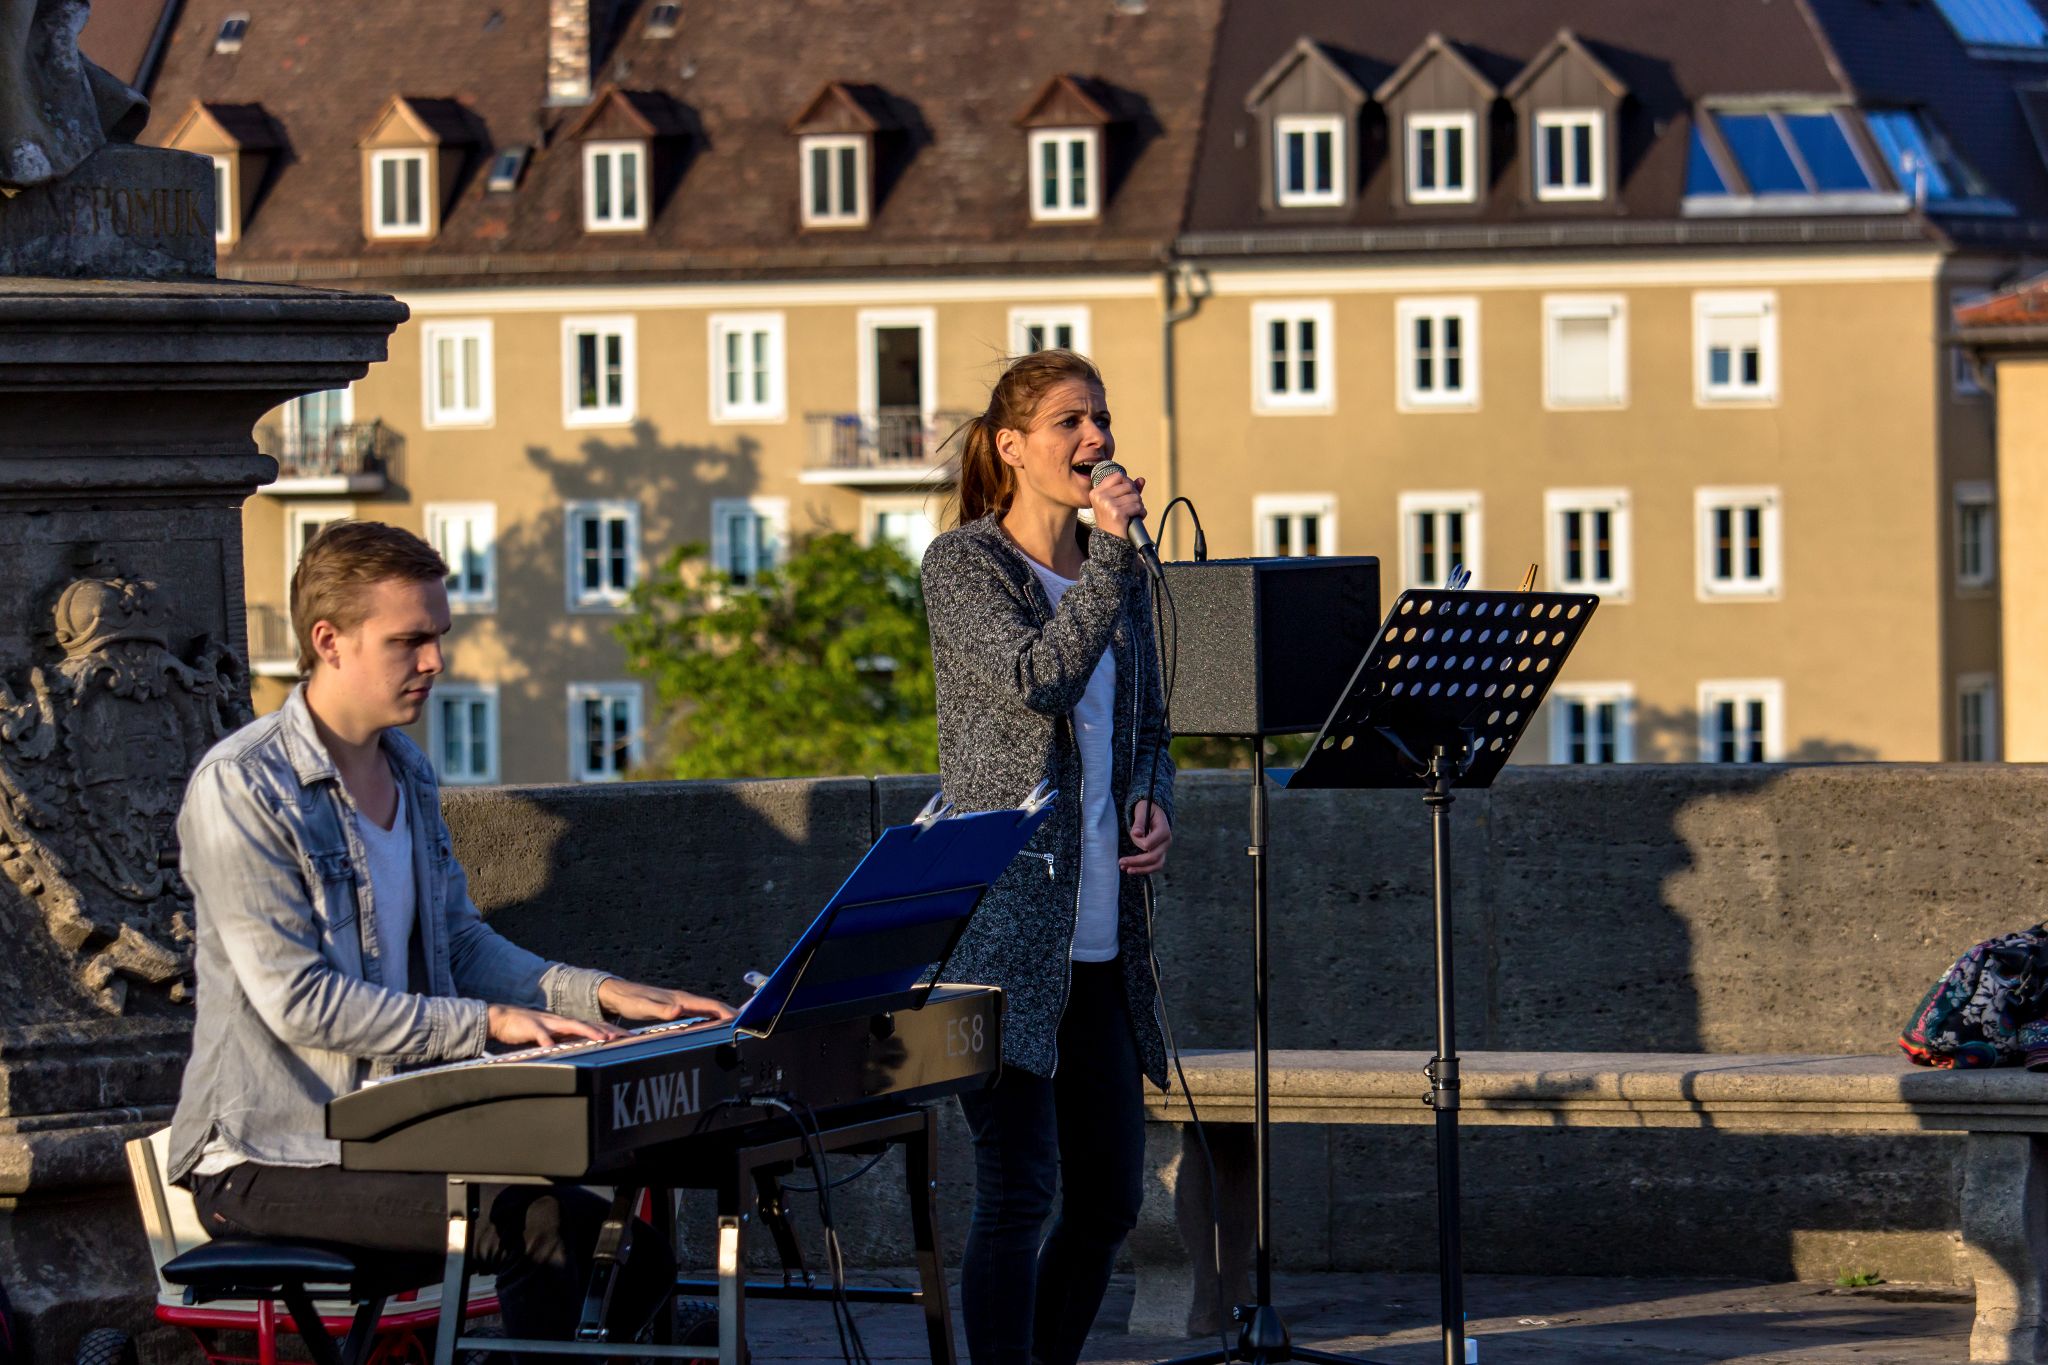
1440, 700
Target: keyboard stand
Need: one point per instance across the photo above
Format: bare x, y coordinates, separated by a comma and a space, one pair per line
747, 1179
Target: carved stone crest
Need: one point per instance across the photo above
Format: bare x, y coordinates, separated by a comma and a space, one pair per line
94, 753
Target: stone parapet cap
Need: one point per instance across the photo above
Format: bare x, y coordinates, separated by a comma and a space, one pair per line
1780, 1093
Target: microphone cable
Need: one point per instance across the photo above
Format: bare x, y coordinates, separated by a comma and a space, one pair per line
1166, 634
852, 1349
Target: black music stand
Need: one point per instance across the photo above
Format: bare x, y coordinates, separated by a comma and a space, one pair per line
1439, 701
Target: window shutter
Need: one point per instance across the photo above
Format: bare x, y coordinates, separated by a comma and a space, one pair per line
1581, 360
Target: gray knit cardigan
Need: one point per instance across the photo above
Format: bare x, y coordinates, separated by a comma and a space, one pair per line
1010, 670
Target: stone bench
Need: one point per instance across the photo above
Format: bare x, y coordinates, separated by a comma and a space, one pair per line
2004, 1111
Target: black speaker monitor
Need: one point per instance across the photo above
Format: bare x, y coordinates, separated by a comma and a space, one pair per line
1267, 645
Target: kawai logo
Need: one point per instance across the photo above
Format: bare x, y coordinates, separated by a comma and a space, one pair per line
670, 1095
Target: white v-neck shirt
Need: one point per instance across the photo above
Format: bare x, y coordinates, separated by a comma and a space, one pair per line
1095, 926
389, 853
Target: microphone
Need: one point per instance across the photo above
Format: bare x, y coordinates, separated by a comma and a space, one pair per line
1140, 538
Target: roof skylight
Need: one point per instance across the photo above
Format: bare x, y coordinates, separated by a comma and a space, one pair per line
232, 29
1995, 23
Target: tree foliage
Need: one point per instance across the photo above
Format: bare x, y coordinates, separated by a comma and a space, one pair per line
821, 667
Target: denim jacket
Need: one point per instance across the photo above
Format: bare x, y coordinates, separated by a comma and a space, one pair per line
292, 1010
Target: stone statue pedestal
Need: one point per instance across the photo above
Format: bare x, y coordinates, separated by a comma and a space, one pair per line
125, 455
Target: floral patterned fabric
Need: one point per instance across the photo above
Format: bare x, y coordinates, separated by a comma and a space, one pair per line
1987, 1010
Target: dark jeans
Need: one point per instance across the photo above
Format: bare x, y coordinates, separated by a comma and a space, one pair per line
537, 1239
1084, 1128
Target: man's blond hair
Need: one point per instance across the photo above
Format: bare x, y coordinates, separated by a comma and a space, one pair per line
341, 564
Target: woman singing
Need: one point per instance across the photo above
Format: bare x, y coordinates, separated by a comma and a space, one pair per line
1042, 645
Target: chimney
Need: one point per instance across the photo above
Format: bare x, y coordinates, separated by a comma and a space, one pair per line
576, 28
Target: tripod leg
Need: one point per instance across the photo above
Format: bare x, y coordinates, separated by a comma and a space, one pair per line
1443, 1072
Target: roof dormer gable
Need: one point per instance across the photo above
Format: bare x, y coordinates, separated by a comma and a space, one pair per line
1066, 101
1066, 127
242, 142
837, 134
1439, 105
627, 137
1306, 111
414, 155
1567, 106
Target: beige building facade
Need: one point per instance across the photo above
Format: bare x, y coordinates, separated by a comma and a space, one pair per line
549, 507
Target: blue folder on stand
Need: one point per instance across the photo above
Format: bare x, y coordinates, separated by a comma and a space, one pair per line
883, 939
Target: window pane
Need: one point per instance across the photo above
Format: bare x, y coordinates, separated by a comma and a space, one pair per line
1454, 158
1305, 360
1603, 546
1283, 528
1826, 152
586, 370
1755, 737
1607, 728
387, 193
1425, 548
732, 368
1753, 543
1553, 156
1326, 166
1720, 366
444, 374
1296, 171
1761, 153
1049, 174
593, 736
614, 370
616, 560
1906, 149
1574, 547
1425, 159
849, 184
593, 567
601, 187
1724, 543
1454, 358
451, 737
1454, 540
1752, 367
1277, 340
1077, 173
470, 396
761, 368
1725, 723
1702, 176
629, 185
1311, 534
415, 168
821, 182
1063, 337
1582, 156
1425, 371
479, 737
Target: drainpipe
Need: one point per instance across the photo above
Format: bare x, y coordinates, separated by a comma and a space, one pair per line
1184, 287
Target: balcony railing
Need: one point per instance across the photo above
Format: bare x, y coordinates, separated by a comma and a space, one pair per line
895, 445
353, 457
273, 649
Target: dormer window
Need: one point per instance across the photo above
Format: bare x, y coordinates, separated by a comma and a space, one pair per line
1308, 151
614, 186
232, 30
1063, 174
239, 139
1440, 159
835, 189
412, 162
1569, 146
1066, 145
398, 182
1307, 106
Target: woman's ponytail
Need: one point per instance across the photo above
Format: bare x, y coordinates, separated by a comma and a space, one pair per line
986, 483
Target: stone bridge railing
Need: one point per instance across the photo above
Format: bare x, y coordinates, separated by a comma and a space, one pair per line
1632, 909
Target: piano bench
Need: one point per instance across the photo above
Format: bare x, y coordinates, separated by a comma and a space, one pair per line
267, 1269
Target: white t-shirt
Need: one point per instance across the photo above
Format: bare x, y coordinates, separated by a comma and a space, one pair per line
397, 899
391, 887
1095, 928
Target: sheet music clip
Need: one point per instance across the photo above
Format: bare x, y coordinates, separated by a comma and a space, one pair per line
1459, 577
1041, 796
935, 810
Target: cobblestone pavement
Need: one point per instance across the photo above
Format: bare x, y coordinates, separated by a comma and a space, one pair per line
1517, 1320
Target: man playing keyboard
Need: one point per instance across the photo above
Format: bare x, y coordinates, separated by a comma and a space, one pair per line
337, 943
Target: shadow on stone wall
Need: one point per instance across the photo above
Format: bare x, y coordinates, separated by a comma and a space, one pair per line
1658, 908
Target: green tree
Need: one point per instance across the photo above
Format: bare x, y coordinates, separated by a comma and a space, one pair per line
821, 667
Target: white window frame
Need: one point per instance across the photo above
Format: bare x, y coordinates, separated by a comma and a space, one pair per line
1986, 686
1308, 126
1762, 305
774, 511
1470, 504
485, 694
604, 415
835, 142
1614, 501
1568, 119
1976, 493
606, 598
425, 226
873, 320
440, 516
1064, 209
1770, 691
618, 221
433, 412
1573, 307
1267, 506
295, 434
1620, 695
630, 693
1771, 584
298, 516
924, 505
1406, 312
1416, 125
775, 407
1323, 397
1075, 317
227, 222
